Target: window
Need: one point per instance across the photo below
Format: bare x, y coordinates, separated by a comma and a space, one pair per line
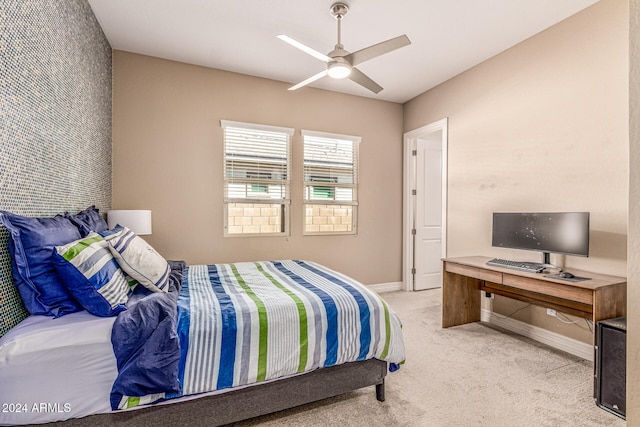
330, 183
256, 179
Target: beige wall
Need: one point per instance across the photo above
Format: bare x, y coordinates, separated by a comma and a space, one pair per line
167, 157
633, 291
541, 127
562, 93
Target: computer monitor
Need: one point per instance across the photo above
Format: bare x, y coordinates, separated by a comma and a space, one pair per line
557, 232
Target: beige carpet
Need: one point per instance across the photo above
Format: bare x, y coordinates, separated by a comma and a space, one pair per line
470, 375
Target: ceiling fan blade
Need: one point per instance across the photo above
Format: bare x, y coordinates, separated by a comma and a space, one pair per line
376, 50
362, 79
304, 48
310, 80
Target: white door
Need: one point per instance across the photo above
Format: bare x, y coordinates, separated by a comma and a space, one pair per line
424, 242
428, 213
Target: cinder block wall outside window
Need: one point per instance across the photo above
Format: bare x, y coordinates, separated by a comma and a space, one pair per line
328, 218
248, 218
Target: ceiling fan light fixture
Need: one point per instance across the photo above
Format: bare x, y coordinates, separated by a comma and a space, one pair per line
338, 70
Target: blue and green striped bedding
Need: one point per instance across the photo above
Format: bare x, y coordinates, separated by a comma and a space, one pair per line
249, 322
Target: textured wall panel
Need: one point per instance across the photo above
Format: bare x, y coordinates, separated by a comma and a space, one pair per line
55, 119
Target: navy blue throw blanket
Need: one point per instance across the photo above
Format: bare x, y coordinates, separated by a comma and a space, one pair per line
145, 342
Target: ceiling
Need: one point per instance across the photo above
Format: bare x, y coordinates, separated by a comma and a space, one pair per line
448, 36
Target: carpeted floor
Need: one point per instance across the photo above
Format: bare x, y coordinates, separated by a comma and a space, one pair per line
470, 375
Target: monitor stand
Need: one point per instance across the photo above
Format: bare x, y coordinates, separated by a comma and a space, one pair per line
546, 261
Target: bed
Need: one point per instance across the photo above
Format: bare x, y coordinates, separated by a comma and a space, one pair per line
225, 342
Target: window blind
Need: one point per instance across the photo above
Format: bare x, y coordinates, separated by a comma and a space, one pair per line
256, 162
330, 168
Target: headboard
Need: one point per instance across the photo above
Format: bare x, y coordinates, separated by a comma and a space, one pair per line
12, 310
55, 144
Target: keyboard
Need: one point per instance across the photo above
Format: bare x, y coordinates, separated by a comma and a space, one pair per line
531, 267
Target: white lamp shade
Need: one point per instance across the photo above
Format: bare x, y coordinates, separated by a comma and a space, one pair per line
138, 221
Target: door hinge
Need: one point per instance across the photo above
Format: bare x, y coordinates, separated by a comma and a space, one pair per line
414, 152
413, 271
414, 192
413, 231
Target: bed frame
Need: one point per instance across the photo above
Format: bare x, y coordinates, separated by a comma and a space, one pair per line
249, 402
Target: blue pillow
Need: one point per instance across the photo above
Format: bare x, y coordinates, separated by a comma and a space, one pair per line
92, 275
32, 245
88, 220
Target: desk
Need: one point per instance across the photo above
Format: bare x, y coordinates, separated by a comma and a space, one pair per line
602, 297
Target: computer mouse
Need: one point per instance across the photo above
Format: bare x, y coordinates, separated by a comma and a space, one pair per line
566, 275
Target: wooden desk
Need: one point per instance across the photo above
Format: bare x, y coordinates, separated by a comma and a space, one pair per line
602, 297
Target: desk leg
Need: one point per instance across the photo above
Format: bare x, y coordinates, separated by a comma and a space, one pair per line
460, 299
609, 302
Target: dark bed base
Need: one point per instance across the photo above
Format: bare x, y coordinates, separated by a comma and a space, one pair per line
252, 401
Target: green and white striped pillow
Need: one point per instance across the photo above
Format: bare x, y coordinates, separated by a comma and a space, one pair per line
91, 274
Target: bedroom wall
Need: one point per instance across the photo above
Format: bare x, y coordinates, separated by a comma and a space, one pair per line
542, 126
55, 119
633, 291
167, 157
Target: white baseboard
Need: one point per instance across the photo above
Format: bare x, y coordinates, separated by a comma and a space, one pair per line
561, 342
386, 287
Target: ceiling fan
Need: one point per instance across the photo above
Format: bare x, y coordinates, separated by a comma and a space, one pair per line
341, 63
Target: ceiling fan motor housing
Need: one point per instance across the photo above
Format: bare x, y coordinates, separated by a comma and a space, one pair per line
338, 52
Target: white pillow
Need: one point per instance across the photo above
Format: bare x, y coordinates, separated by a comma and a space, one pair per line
138, 259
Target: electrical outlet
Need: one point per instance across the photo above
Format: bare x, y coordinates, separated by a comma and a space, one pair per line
551, 312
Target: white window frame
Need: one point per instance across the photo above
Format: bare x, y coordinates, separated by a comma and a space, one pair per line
354, 186
285, 201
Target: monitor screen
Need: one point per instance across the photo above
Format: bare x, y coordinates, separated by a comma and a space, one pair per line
557, 232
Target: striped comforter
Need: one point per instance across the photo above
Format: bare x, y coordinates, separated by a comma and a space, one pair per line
249, 322
265, 320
